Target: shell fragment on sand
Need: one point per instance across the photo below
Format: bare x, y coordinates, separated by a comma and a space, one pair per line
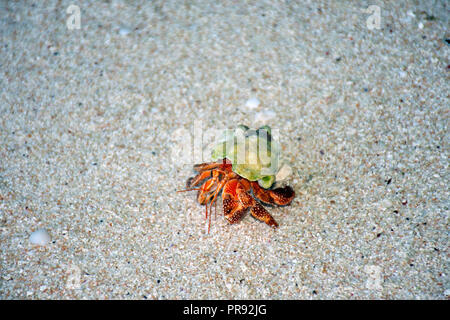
252, 103
40, 237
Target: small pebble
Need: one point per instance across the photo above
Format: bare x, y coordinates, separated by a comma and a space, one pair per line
386, 203
40, 237
252, 103
124, 31
284, 172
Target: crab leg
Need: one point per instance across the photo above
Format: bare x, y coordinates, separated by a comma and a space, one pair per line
207, 187
216, 193
193, 181
257, 210
233, 209
236, 200
260, 213
204, 195
219, 187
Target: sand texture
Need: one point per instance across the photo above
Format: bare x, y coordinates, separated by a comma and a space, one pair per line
89, 150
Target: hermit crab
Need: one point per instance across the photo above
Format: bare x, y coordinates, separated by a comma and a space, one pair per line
244, 168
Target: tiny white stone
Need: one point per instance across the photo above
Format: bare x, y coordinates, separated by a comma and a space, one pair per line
252, 103
124, 31
40, 237
319, 60
284, 172
266, 115
385, 204
420, 25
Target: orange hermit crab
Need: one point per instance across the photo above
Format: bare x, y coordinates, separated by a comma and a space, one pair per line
246, 162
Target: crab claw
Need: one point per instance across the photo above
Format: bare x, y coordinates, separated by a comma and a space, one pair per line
282, 196
233, 209
278, 196
236, 200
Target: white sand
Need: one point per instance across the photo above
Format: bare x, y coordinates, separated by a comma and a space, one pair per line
86, 123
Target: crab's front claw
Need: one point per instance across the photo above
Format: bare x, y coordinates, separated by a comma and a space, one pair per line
279, 196
233, 208
282, 196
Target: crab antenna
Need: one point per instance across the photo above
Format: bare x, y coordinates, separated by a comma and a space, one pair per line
214, 200
215, 210
188, 190
209, 224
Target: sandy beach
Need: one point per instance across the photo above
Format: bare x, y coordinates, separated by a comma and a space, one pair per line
94, 95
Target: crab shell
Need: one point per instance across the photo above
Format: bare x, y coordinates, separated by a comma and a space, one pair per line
253, 153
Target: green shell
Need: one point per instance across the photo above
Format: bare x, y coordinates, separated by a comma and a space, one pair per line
253, 153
